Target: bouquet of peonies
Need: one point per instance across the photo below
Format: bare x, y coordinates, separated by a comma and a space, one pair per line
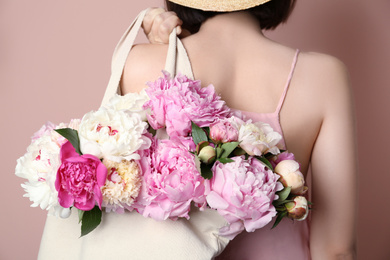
160, 151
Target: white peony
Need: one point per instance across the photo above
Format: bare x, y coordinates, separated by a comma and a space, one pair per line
39, 166
258, 138
40, 194
122, 185
74, 124
131, 102
113, 135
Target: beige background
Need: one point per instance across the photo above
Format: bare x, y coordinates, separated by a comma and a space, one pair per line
55, 62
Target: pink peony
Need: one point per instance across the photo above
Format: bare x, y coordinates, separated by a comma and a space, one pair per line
79, 179
174, 103
223, 131
243, 191
171, 181
187, 141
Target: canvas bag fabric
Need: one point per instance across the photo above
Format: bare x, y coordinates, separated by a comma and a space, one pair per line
130, 235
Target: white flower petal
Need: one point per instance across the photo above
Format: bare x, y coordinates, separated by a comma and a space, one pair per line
113, 134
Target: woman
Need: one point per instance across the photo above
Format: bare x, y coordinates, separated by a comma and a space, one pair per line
309, 91
229, 50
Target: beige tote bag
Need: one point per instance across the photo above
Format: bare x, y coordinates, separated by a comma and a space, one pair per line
130, 235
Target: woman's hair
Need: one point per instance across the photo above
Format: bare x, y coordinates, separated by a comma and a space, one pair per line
269, 15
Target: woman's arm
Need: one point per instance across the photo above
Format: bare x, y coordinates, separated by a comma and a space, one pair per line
334, 167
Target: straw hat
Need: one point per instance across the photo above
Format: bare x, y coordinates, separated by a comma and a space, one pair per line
220, 5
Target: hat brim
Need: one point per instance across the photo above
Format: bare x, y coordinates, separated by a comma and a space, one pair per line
220, 6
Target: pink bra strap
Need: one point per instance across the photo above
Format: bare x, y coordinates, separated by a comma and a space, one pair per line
283, 97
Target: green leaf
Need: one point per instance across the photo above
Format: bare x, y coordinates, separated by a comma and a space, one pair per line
152, 131
278, 203
198, 134
283, 194
268, 155
225, 160
91, 219
279, 217
72, 136
81, 214
280, 208
228, 148
219, 151
266, 162
205, 170
207, 130
239, 151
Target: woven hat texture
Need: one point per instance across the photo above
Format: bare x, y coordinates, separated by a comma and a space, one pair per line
220, 5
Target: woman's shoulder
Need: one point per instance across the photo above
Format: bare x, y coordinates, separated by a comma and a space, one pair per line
323, 73
323, 61
144, 63
323, 67
321, 88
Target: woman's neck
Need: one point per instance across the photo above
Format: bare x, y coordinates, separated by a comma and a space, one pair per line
228, 24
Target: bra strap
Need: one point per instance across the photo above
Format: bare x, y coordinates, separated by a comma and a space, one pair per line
283, 97
177, 58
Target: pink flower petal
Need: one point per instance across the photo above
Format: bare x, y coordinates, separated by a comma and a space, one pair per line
67, 151
242, 191
216, 201
79, 179
65, 199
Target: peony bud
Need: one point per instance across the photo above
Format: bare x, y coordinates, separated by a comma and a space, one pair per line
298, 208
223, 132
281, 157
290, 176
65, 212
207, 154
201, 145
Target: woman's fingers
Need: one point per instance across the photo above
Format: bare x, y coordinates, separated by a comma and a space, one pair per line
150, 17
168, 22
158, 24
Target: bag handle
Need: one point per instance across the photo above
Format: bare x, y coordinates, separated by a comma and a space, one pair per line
177, 58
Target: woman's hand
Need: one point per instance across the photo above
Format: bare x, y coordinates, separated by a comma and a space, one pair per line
158, 25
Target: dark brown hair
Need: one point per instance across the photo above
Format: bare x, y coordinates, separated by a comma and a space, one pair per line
269, 15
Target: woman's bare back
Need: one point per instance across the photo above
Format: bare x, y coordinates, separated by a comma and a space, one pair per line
250, 72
